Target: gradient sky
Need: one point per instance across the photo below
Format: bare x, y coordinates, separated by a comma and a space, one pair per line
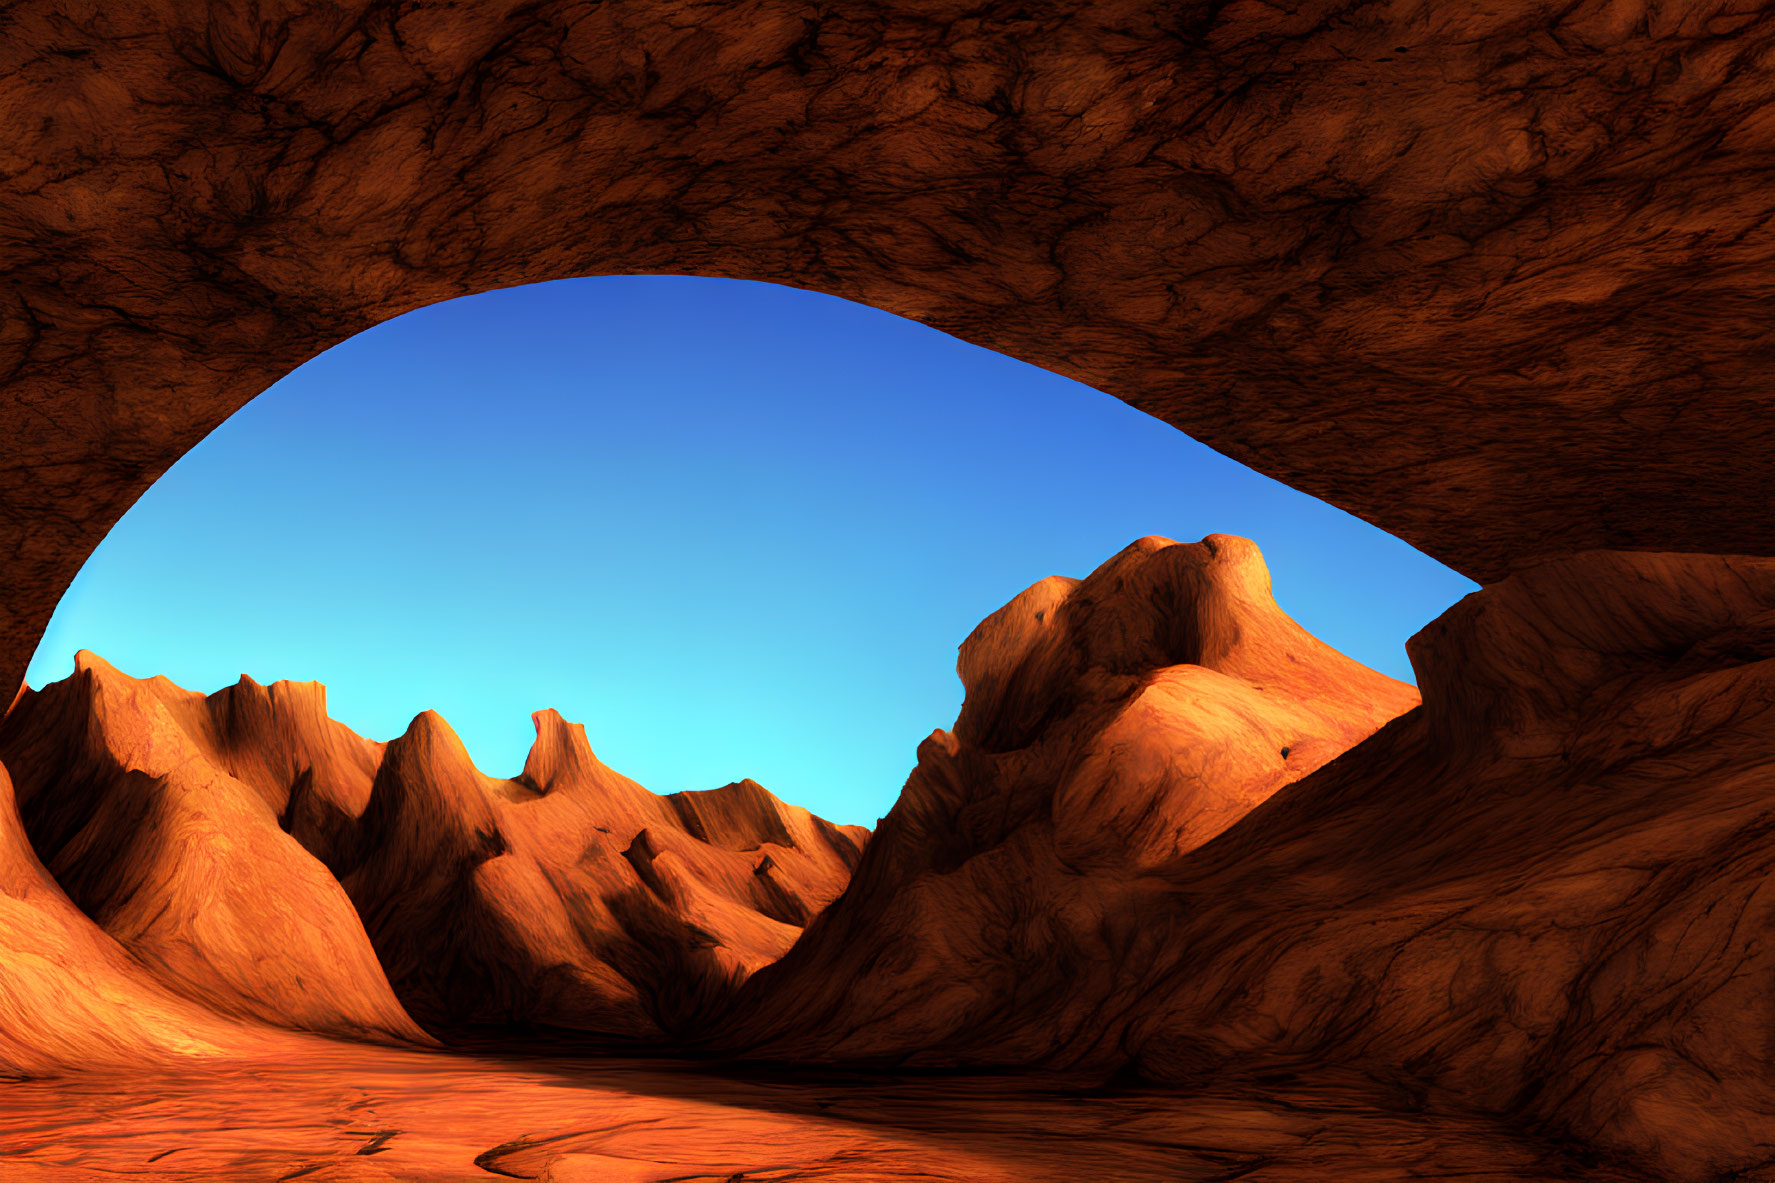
735, 529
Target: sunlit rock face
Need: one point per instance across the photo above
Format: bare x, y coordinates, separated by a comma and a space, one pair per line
1466, 271
1018, 891
267, 862
158, 812
72, 997
571, 896
1546, 890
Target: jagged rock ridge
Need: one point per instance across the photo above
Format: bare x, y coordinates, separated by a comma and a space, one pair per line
71, 996
158, 812
271, 864
572, 896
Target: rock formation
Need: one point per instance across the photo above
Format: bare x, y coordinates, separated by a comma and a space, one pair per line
1546, 891
233, 842
1463, 271
1493, 277
1013, 895
70, 996
1156, 846
157, 810
572, 896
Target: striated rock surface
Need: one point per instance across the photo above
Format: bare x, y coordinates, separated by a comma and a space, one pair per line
346, 1114
158, 811
1547, 891
572, 896
1111, 726
1462, 270
270, 863
71, 997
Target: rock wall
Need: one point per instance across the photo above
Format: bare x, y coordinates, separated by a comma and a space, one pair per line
1467, 273
70, 995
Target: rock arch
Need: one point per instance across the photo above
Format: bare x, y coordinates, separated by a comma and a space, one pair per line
1495, 281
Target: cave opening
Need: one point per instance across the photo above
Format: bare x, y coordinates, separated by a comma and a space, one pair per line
736, 528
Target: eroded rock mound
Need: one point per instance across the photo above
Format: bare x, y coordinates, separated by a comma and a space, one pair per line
1549, 890
158, 811
1111, 726
70, 996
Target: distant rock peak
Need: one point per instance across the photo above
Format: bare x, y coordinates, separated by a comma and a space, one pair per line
741, 816
559, 752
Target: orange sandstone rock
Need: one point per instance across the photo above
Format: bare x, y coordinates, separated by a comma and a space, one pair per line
1111, 726
1545, 892
572, 896
72, 997
128, 790
268, 862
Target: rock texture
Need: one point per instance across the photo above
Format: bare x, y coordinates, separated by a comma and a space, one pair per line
70, 996
573, 897
1495, 278
158, 812
233, 842
1013, 896
1463, 271
1548, 890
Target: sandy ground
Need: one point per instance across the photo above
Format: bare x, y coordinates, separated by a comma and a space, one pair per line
366, 1113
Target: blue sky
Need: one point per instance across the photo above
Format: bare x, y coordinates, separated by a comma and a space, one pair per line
733, 528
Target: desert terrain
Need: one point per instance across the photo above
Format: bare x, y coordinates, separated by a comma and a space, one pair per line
1181, 893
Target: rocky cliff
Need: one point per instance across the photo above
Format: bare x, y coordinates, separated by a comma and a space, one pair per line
158, 812
572, 896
